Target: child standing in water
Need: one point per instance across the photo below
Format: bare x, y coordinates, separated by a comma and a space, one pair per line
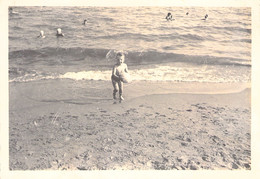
118, 71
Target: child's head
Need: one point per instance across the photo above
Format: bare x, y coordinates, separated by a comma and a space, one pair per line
120, 57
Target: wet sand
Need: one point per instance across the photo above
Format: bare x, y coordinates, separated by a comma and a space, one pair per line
66, 125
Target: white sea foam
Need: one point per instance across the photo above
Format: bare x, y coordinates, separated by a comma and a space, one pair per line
88, 75
167, 73
219, 74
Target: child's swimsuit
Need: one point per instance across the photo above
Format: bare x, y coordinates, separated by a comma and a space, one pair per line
115, 78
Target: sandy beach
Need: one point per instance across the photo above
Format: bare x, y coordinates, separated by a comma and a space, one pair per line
66, 125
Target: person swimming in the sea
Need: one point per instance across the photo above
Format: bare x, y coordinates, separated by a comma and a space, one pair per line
41, 34
11, 11
59, 34
84, 23
205, 18
169, 17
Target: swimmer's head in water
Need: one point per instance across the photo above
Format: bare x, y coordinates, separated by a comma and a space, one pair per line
59, 31
169, 16
120, 57
42, 33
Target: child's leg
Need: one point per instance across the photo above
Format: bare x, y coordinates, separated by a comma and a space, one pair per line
120, 84
115, 85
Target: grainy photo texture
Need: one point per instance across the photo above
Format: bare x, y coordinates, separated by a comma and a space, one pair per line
139, 88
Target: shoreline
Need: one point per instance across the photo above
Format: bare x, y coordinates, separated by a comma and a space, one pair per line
92, 93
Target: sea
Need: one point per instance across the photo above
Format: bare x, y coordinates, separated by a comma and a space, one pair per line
185, 49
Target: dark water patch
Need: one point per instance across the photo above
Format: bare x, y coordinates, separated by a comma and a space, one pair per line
238, 40
80, 56
233, 29
147, 38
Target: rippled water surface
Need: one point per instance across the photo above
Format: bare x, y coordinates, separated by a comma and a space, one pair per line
186, 49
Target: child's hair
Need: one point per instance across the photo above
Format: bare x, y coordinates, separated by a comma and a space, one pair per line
120, 54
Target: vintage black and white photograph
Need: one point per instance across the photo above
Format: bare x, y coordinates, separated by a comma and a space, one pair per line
139, 88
